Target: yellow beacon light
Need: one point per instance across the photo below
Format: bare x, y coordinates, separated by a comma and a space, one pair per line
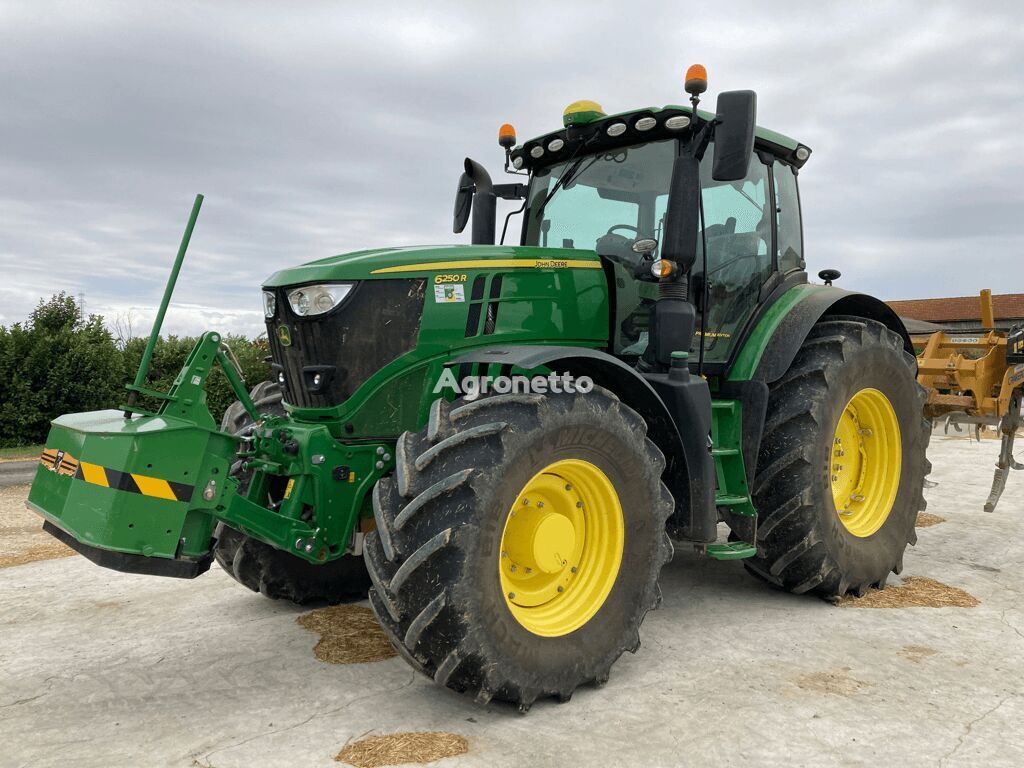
581, 113
696, 79
507, 136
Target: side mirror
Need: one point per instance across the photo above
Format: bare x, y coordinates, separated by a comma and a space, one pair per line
734, 134
483, 201
463, 203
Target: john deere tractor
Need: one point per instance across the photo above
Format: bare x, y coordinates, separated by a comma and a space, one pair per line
503, 444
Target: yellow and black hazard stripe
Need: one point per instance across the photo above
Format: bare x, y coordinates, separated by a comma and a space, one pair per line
58, 461
131, 482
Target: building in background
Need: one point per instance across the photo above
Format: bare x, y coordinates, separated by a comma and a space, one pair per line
958, 313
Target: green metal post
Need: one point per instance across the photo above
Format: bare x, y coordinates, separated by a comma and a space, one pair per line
234, 378
147, 355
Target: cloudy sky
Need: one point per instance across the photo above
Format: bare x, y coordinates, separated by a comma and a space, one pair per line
318, 128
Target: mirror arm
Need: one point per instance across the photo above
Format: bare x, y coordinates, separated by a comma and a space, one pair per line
510, 191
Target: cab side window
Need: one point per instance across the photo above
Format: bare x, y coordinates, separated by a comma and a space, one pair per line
787, 204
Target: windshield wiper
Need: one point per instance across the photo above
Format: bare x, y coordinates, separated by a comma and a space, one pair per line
571, 173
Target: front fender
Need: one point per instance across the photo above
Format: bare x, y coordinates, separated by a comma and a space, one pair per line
684, 445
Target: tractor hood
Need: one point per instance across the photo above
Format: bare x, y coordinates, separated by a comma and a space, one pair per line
416, 261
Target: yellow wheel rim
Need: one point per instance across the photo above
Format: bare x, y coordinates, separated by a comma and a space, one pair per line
561, 548
865, 464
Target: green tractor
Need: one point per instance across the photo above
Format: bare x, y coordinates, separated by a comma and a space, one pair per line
502, 444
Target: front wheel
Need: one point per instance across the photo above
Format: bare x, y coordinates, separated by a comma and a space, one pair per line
842, 464
519, 542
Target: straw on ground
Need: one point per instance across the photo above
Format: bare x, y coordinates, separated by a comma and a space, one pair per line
399, 748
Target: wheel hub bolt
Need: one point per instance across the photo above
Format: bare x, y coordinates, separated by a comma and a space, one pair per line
579, 504
561, 588
511, 595
573, 569
568, 487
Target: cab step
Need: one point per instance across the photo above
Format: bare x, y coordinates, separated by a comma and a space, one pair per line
733, 550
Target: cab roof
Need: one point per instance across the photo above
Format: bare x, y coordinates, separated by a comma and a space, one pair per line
595, 134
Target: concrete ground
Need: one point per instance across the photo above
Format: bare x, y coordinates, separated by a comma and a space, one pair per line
103, 669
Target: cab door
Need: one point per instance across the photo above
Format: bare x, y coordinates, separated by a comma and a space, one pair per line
734, 256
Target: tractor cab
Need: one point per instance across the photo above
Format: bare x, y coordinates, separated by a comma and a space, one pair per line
624, 186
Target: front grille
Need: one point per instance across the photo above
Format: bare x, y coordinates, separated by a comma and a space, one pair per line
376, 323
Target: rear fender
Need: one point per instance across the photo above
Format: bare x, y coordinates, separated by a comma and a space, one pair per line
773, 345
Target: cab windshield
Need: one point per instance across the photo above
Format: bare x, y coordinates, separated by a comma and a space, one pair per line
623, 191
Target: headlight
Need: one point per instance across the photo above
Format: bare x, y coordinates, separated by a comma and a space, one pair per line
269, 304
317, 299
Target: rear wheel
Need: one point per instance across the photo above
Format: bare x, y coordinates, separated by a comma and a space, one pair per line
519, 543
842, 463
261, 567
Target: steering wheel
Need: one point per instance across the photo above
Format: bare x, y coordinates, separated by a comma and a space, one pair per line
619, 249
613, 227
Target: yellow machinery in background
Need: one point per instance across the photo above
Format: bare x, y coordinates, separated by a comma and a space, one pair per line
977, 378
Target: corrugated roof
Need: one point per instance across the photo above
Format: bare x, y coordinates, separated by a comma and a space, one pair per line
1006, 306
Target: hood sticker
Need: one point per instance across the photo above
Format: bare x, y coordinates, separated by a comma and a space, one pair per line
450, 293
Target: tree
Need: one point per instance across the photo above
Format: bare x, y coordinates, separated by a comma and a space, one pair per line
56, 363
53, 364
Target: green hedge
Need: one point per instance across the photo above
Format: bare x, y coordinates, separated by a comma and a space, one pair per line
57, 363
